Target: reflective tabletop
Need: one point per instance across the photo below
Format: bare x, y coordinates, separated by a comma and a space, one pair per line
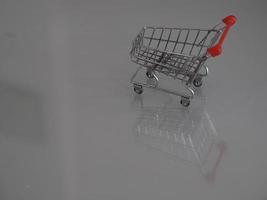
71, 126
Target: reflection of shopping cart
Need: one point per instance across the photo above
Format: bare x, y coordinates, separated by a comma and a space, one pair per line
179, 53
186, 134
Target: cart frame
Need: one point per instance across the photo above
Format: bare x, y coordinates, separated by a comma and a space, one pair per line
179, 53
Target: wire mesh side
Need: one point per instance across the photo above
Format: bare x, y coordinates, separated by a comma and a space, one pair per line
173, 65
183, 41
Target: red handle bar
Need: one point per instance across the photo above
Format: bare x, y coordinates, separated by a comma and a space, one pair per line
217, 49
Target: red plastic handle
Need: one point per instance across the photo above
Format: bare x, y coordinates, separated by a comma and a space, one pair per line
217, 49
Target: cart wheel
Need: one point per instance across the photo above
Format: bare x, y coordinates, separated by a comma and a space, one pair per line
185, 101
138, 89
149, 75
197, 82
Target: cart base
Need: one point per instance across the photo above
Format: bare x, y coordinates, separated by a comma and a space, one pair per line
152, 82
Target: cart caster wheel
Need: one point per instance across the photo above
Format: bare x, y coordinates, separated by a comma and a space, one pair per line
138, 89
149, 75
197, 82
185, 101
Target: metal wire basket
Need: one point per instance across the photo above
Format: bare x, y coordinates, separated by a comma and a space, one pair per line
179, 53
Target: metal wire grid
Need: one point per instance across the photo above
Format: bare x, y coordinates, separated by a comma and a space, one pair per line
174, 52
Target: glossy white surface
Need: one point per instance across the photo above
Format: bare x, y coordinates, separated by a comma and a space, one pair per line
71, 126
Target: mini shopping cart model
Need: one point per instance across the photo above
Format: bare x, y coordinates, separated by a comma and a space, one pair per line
179, 53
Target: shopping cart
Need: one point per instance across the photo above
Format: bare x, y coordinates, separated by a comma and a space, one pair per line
179, 53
